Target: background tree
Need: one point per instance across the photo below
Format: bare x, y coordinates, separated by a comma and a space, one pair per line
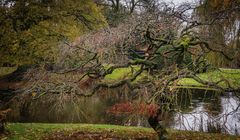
223, 16
32, 30
117, 11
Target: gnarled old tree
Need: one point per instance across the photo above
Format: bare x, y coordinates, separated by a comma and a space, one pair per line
171, 47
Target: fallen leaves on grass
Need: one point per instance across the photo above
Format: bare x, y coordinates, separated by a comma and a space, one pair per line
81, 136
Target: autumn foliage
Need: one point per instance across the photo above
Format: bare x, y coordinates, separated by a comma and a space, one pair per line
142, 109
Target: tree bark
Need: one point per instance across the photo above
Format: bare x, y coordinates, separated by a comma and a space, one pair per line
158, 126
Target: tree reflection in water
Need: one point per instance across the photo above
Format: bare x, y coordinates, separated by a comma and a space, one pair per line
207, 111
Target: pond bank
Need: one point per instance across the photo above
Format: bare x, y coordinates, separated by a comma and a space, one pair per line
78, 131
228, 76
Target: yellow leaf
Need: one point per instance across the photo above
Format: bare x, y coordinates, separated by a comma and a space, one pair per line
34, 94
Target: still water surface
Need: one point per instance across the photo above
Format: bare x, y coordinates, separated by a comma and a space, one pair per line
209, 108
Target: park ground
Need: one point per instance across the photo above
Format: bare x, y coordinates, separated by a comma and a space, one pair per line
34, 131
49, 131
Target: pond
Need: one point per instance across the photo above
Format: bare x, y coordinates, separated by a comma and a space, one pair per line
198, 110
208, 112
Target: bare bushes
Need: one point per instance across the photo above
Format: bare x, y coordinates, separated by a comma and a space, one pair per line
66, 107
56, 97
215, 127
108, 43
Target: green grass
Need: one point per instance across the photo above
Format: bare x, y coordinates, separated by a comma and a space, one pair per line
122, 73
6, 70
232, 76
28, 131
34, 131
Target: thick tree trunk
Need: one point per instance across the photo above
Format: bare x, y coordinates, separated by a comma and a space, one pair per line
2, 128
158, 126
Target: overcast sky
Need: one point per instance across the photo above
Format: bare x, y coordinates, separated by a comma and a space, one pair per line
180, 1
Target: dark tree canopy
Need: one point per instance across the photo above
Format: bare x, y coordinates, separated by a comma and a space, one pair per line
223, 15
32, 30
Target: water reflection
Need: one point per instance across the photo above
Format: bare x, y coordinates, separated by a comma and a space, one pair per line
209, 109
198, 110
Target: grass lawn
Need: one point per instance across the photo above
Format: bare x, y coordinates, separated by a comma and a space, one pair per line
6, 70
123, 73
30, 131
232, 77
